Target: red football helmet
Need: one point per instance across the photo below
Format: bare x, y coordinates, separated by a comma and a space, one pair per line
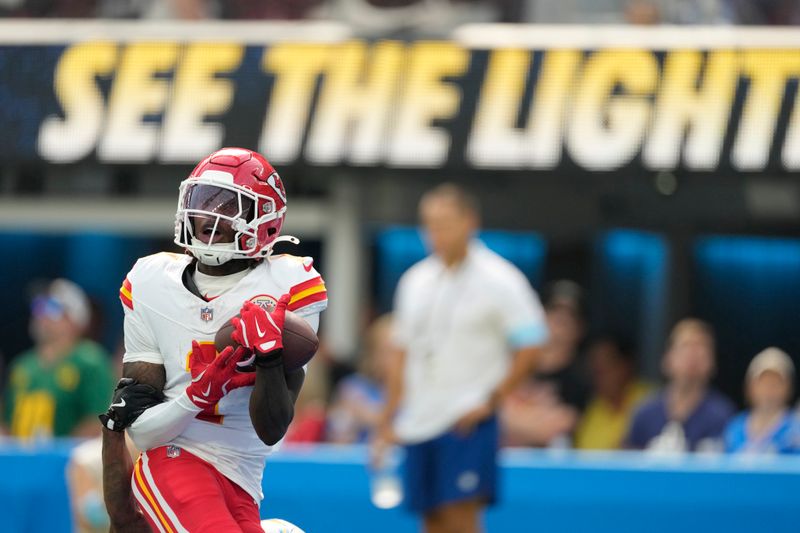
231, 206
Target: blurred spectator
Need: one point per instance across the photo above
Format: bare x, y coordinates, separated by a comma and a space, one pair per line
642, 12
544, 410
687, 415
118, 9
359, 398
48, 8
617, 395
650, 12
630, 11
85, 485
273, 10
157, 9
765, 12
559, 366
59, 386
382, 17
769, 426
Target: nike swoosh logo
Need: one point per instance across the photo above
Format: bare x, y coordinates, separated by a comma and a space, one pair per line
247, 362
199, 376
120, 404
258, 330
225, 388
208, 390
309, 267
274, 325
198, 399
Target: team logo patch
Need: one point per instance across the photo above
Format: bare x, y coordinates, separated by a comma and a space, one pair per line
206, 314
265, 301
468, 481
173, 451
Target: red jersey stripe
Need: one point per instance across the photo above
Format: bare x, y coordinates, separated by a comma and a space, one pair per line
126, 301
300, 287
308, 300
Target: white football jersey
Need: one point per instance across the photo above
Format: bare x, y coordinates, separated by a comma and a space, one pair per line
162, 318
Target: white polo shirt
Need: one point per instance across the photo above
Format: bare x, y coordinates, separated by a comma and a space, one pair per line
459, 328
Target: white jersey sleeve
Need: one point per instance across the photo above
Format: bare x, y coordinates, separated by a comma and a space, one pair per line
309, 296
140, 341
522, 316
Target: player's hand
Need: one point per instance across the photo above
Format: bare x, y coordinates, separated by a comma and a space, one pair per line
379, 445
211, 381
130, 400
467, 423
260, 331
381, 440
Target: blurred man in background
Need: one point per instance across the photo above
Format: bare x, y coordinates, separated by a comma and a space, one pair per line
617, 395
688, 415
544, 410
468, 328
360, 397
769, 426
57, 387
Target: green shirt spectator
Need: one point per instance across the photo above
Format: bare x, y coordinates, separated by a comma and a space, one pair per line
57, 388
53, 399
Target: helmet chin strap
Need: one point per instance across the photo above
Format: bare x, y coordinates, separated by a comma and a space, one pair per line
213, 254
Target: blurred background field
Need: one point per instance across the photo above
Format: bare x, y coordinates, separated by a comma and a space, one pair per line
646, 151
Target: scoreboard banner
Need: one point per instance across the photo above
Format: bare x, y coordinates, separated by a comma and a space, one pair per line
496, 98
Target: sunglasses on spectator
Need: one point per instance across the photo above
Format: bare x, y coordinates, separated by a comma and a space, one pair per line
47, 307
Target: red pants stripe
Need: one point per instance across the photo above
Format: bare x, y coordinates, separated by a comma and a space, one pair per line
183, 493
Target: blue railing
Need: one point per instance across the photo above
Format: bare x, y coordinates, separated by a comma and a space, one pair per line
326, 489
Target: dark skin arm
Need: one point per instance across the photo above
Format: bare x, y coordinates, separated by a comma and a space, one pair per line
148, 373
117, 464
117, 471
272, 401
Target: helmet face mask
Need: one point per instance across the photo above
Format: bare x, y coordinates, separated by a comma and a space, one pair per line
228, 211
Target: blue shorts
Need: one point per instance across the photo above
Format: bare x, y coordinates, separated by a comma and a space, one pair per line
452, 468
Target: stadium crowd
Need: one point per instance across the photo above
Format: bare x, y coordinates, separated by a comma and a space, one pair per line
586, 393
398, 15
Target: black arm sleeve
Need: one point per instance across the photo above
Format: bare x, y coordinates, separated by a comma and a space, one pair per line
272, 400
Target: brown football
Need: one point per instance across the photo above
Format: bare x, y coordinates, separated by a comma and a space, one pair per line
300, 343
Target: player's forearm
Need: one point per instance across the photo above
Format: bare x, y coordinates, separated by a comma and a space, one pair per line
162, 423
271, 404
394, 385
117, 470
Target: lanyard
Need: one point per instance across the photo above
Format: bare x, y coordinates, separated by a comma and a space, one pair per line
440, 319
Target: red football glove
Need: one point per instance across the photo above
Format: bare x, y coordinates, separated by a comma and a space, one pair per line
260, 331
211, 381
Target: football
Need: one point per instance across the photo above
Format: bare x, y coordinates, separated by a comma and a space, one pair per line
300, 343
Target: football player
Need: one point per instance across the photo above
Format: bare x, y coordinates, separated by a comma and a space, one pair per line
204, 446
